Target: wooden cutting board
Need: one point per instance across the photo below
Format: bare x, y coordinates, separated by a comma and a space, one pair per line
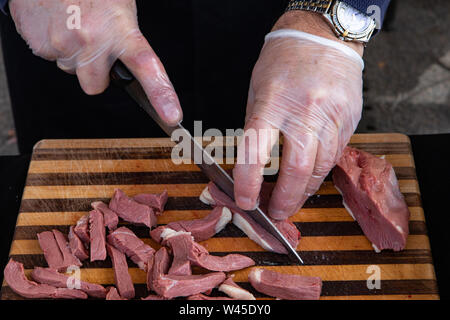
65, 176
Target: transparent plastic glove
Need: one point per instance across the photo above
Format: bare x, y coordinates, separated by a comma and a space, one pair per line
310, 88
108, 30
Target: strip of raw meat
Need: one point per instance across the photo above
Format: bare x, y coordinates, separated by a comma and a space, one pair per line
372, 196
200, 229
285, 286
124, 240
59, 280
200, 296
161, 266
170, 286
68, 258
121, 275
230, 288
50, 247
155, 201
82, 229
15, 277
111, 218
185, 249
76, 245
112, 294
153, 297
97, 233
132, 211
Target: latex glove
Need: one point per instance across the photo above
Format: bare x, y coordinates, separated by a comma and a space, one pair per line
310, 88
109, 30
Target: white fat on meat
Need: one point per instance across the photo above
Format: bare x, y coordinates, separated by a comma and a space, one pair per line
242, 224
225, 218
169, 233
236, 293
376, 248
206, 197
345, 205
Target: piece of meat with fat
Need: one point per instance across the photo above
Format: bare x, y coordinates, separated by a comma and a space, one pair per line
14, 275
201, 229
184, 248
122, 277
172, 286
81, 229
155, 201
200, 296
97, 234
54, 278
132, 211
285, 286
372, 196
212, 195
124, 240
231, 289
76, 245
161, 265
113, 294
111, 219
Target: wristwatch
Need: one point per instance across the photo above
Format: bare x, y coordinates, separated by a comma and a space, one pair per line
348, 23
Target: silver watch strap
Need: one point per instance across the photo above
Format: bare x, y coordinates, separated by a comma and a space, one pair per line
321, 6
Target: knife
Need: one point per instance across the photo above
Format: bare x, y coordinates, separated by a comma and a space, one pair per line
122, 77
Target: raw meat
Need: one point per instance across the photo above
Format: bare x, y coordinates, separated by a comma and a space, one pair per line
113, 294
161, 266
97, 233
153, 297
230, 288
372, 196
200, 296
132, 211
15, 277
68, 258
82, 229
171, 286
50, 247
121, 275
155, 201
124, 240
185, 249
285, 286
56, 279
76, 245
200, 229
111, 219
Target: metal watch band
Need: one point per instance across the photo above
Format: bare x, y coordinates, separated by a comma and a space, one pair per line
320, 6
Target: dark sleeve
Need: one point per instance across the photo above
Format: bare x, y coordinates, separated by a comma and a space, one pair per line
370, 7
3, 4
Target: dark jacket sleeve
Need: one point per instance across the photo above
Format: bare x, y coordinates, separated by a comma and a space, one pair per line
3, 4
372, 8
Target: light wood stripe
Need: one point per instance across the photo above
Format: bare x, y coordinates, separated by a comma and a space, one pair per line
151, 165
174, 190
329, 243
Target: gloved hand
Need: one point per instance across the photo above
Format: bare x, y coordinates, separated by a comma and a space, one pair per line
310, 88
109, 31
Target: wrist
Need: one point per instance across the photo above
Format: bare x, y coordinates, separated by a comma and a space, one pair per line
312, 23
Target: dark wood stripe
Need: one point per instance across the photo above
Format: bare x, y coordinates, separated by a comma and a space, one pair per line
329, 288
264, 258
165, 152
307, 229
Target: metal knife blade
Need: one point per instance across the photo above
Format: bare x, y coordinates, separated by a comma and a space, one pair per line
123, 77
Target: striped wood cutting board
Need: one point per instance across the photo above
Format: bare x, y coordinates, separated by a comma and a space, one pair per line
65, 176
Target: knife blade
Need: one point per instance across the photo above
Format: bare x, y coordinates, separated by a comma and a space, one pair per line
122, 77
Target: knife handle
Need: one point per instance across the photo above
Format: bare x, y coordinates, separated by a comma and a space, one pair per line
120, 75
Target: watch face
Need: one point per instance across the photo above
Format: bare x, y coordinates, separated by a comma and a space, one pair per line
352, 20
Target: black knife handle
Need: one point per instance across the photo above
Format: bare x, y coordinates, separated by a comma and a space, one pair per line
120, 75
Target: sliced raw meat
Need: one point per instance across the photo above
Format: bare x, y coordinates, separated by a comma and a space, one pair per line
121, 275
113, 294
285, 286
153, 297
68, 258
111, 219
50, 247
185, 249
124, 240
200, 229
76, 245
372, 196
230, 288
132, 211
170, 286
97, 233
15, 277
200, 296
82, 229
155, 201
59, 280
161, 266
